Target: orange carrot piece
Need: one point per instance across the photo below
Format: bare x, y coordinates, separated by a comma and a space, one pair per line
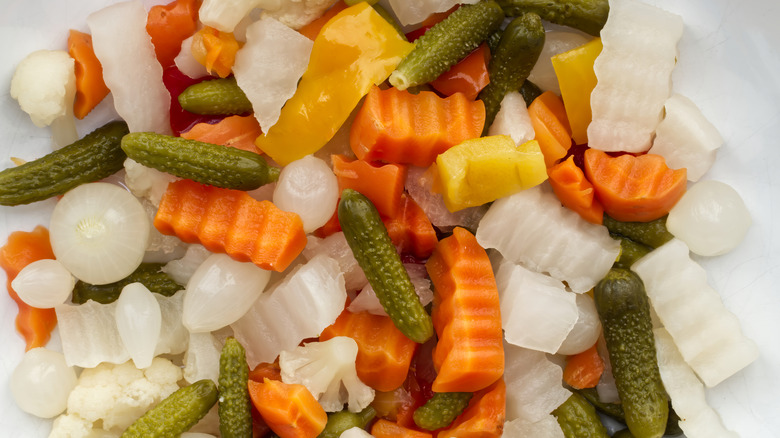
399, 127
548, 117
232, 222
575, 191
313, 29
387, 429
484, 416
469, 76
215, 50
634, 189
34, 324
90, 87
583, 370
290, 410
235, 131
169, 25
265, 370
411, 231
384, 353
470, 353
383, 184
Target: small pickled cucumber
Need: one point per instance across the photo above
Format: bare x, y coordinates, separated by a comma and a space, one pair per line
235, 409
630, 251
339, 422
215, 97
148, 274
441, 409
652, 234
578, 419
588, 16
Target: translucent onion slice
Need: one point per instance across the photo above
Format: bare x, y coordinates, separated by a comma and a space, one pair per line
138, 320
201, 361
513, 119
336, 247
41, 383
99, 232
419, 184
43, 284
368, 301
586, 331
417, 11
534, 385
181, 270
309, 188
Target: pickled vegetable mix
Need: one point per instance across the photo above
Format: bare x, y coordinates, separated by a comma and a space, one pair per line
366, 218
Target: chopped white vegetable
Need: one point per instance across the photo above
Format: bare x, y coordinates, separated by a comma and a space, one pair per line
309, 188
43, 283
201, 361
138, 321
634, 75
145, 182
225, 15
99, 232
685, 138
187, 64
355, 432
606, 388
220, 292
534, 385
309, 299
336, 247
413, 12
42, 382
513, 119
299, 13
181, 270
711, 218
532, 228
419, 184
327, 370
708, 336
697, 418
555, 43
369, 302
161, 248
547, 427
130, 68
586, 331
536, 310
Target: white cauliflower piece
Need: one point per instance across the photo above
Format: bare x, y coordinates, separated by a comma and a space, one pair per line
225, 15
70, 426
299, 13
327, 370
145, 182
118, 395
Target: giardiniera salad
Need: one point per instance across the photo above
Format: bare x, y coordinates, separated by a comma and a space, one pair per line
393, 219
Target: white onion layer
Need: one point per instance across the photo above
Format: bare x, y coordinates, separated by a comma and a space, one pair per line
309, 188
586, 330
43, 284
534, 385
41, 383
99, 232
138, 320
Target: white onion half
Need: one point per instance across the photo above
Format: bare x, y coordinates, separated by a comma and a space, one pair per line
138, 320
586, 330
309, 188
99, 232
42, 382
43, 283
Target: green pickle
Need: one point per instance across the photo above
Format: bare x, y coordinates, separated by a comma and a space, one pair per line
374, 251
235, 409
92, 158
215, 97
588, 16
652, 234
630, 251
615, 410
441, 409
339, 422
177, 413
148, 274
578, 419
530, 92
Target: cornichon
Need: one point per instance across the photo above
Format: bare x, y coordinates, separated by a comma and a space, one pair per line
624, 312
148, 274
630, 251
441, 409
510, 65
92, 158
207, 163
177, 413
235, 411
578, 419
530, 92
652, 234
376, 255
339, 422
615, 410
588, 16
446, 43
215, 97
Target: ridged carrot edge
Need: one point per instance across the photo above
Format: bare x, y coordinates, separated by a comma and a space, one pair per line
551, 126
383, 184
411, 231
575, 191
484, 416
90, 87
399, 127
290, 410
469, 355
232, 222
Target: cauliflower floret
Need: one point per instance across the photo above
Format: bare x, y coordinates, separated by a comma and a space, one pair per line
145, 182
299, 13
327, 370
118, 395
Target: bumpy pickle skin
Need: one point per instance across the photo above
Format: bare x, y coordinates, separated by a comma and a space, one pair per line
441, 409
578, 419
588, 16
148, 274
235, 411
652, 234
215, 97
339, 422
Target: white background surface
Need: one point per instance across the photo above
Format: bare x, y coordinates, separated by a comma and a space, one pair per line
728, 65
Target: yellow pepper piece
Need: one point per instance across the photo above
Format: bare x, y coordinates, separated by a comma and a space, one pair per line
484, 169
574, 70
355, 50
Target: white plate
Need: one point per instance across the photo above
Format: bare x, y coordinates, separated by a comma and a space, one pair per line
728, 66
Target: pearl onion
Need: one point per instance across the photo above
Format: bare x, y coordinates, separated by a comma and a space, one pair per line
42, 382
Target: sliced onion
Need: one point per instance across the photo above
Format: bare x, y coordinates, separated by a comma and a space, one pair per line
41, 383
181, 270
586, 330
533, 384
43, 283
138, 320
99, 232
309, 188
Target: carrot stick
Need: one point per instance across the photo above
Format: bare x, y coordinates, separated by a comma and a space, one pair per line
291, 411
232, 222
484, 416
548, 117
411, 231
383, 184
34, 324
313, 29
634, 189
169, 25
470, 353
469, 76
575, 191
216, 50
399, 127
234, 131
387, 429
583, 370
90, 87
384, 353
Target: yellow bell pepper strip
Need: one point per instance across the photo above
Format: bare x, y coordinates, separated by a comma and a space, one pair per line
576, 78
484, 169
355, 50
